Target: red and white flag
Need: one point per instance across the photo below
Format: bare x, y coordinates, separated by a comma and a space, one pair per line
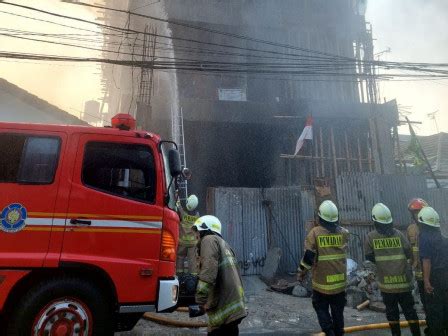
307, 134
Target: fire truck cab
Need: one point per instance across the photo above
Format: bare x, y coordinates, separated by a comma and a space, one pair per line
88, 228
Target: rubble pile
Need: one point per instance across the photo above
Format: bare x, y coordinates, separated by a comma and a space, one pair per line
362, 286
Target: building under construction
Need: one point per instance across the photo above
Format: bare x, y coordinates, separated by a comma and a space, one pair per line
240, 125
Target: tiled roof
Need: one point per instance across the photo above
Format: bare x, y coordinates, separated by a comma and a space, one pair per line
40, 104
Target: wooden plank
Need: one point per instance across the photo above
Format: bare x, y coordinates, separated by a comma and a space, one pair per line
316, 154
359, 155
369, 152
325, 158
333, 150
322, 163
347, 151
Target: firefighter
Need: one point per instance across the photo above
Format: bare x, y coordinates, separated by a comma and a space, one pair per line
219, 291
389, 249
414, 207
434, 255
325, 256
187, 250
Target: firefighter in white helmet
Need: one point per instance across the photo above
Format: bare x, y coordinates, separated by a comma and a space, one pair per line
434, 255
219, 291
325, 255
389, 249
186, 261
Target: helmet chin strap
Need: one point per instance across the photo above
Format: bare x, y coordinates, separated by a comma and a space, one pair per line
329, 226
385, 229
204, 233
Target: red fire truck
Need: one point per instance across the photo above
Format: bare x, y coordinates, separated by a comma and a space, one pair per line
88, 231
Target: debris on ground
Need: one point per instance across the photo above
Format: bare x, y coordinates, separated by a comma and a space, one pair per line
271, 265
270, 313
288, 284
362, 286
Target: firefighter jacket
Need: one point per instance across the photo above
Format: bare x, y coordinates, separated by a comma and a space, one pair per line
413, 233
187, 237
219, 288
329, 267
391, 253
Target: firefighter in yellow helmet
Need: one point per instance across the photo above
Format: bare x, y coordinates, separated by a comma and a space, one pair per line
219, 291
186, 261
325, 256
389, 249
434, 255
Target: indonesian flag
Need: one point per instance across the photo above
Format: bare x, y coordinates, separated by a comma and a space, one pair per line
307, 134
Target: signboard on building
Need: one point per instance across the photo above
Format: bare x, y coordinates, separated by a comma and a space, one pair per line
232, 94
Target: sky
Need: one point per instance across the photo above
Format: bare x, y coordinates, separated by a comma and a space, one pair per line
414, 30
66, 85
417, 31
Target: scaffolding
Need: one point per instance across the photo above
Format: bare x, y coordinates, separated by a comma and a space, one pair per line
146, 82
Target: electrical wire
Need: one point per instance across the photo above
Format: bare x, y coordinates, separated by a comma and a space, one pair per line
118, 29
238, 67
214, 31
316, 65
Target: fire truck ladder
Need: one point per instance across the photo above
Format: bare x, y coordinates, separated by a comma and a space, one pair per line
178, 134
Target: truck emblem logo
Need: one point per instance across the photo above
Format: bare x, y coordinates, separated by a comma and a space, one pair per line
13, 218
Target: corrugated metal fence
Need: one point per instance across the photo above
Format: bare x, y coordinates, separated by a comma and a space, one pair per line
358, 193
438, 199
256, 218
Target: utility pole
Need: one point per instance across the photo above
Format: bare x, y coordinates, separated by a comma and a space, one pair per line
372, 93
433, 116
411, 129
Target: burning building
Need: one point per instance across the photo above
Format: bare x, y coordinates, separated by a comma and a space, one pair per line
240, 125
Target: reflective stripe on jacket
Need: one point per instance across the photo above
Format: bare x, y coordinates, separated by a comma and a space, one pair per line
413, 233
330, 265
219, 287
391, 258
187, 237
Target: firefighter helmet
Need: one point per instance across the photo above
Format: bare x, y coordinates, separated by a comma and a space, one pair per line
192, 202
429, 217
416, 204
208, 223
328, 211
381, 214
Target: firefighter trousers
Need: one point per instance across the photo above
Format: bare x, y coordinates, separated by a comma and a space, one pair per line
330, 312
437, 306
421, 292
406, 301
229, 329
189, 254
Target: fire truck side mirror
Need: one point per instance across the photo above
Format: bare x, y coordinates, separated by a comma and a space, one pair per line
174, 162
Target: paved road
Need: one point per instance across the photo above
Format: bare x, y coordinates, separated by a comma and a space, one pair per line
270, 314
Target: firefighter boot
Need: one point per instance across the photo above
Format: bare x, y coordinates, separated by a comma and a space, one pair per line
395, 329
415, 329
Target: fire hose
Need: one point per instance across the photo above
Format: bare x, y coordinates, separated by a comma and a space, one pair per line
156, 318
374, 326
196, 324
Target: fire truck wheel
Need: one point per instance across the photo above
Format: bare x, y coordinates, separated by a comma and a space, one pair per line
64, 306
